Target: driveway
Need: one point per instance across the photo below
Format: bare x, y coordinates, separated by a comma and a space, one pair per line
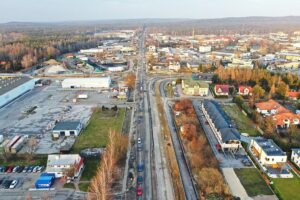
235, 185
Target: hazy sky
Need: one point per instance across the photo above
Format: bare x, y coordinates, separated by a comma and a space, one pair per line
65, 10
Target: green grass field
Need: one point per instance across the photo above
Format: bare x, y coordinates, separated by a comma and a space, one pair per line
69, 185
21, 161
95, 134
252, 181
84, 187
90, 169
244, 124
287, 188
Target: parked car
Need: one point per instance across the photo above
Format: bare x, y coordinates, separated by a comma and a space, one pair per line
15, 169
41, 169
13, 184
139, 140
139, 191
140, 167
139, 179
35, 169
6, 184
25, 169
140, 146
9, 169
21, 168
30, 168
2, 169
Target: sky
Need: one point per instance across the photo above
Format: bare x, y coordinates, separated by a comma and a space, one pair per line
73, 10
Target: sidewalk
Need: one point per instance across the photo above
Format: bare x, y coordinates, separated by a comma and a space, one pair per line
235, 185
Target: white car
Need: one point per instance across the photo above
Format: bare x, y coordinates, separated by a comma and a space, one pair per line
13, 184
139, 141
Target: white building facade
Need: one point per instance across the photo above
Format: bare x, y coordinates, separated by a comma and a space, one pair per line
86, 82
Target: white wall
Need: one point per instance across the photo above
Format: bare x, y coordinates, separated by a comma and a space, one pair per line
16, 92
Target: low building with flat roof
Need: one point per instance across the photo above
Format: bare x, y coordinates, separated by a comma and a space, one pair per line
67, 128
12, 86
59, 164
268, 152
103, 82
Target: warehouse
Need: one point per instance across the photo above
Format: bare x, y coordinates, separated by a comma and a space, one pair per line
13, 86
87, 82
67, 128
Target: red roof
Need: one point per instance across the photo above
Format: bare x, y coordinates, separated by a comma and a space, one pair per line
242, 89
293, 94
223, 88
271, 105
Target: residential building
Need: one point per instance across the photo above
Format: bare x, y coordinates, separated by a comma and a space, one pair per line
286, 119
204, 49
268, 153
245, 90
59, 164
227, 136
194, 87
270, 107
295, 156
67, 128
221, 90
174, 66
293, 95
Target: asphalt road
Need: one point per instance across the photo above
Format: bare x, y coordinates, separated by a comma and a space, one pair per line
186, 176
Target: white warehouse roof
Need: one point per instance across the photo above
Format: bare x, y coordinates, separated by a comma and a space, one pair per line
87, 82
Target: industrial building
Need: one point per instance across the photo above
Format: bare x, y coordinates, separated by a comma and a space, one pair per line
58, 164
15, 144
103, 82
227, 136
12, 86
67, 128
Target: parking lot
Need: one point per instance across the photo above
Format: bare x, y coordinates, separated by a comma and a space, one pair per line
25, 180
35, 113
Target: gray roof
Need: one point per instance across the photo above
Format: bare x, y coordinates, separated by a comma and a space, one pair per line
8, 83
269, 147
221, 121
229, 134
66, 125
296, 151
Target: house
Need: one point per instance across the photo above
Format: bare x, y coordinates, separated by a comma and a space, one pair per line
221, 90
245, 90
58, 164
228, 137
194, 87
268, 153
285, 119
204, 49
295, 156
174, 66
270, 107
67, 128
293, 95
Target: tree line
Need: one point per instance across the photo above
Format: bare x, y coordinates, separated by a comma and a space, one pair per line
27, 51
264, 83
